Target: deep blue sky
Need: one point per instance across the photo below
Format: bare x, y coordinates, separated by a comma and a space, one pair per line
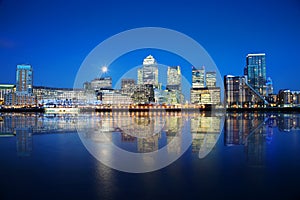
55, 36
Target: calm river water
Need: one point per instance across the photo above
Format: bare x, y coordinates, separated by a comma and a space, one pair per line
230, 156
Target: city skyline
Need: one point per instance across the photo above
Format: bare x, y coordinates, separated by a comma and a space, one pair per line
222, 27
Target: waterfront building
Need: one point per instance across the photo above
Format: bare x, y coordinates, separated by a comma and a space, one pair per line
174, 78
173, 97
211, 79
269, 85
143, 94
127, 86
255, 71
23, 94
288, 98
273, 100
24, 79
64, 96
239, 94
6, 89
206, 95
101, 83
148, 74
204, 92
140, 76
114, 97
198, 76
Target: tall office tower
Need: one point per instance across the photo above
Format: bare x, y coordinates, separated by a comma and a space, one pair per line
24, 79
150, 71
198, 76
211, 79
269, 86
255, 71
174, 78
140, 76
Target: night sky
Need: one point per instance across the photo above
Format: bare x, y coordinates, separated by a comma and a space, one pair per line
56, 36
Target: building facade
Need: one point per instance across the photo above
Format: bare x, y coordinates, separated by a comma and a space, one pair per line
68, 96
174, 78
127, 86
288, 98
6, 89
206, 96
143, 94
211, 79
239, 94
255, 71
149, 73
198, 76
24, 79
101, 83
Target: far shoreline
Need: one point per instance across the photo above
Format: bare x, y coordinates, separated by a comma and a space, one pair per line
228, 110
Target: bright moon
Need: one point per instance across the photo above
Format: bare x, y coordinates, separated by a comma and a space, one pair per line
104, 69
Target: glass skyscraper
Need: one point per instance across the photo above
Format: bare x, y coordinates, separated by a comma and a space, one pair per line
211, 79
255, 71
174, 78
198, 76
149, 71
24, 79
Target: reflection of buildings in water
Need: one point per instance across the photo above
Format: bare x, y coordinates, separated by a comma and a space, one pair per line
139, 126
239, 125
205, 133
288, 122
24, 141
149, 144
96, 128
173, 130
256, 148
249, 129
38, 122
127, 138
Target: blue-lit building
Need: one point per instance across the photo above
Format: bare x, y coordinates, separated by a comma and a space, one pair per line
24, 79
23, 95
255, 71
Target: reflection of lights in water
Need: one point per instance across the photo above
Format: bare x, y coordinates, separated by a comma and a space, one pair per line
205, 132
140, 126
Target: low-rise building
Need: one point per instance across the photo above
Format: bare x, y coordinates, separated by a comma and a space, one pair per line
5, 89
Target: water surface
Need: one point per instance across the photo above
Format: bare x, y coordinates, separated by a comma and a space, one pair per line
256, 156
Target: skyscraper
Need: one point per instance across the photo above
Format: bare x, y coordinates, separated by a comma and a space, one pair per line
174, 78
255, 71
269, 86
140, 76
198, 76
24, 79
211, 79
150, 71
24, 87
